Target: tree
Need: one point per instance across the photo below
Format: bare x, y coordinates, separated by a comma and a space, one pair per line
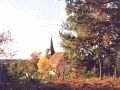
11, 54
32, 64
44, 66
34, 57
92, 31
5, 38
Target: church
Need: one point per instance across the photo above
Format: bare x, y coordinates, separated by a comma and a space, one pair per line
57, 60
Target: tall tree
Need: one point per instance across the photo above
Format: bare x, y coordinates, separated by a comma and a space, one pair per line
92, 30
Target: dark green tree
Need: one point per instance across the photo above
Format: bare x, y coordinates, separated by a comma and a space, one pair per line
91, 33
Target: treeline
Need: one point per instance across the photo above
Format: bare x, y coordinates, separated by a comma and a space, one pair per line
19, 68
91, 37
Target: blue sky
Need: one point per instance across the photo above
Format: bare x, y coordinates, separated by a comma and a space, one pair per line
32, 22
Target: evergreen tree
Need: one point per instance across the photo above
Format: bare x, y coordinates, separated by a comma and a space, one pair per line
91, 33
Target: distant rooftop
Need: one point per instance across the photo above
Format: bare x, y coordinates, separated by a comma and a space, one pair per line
56, 57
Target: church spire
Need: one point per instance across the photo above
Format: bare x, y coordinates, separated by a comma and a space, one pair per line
52, 47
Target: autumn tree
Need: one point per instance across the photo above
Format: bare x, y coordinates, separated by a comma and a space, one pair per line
91, 34
34, 57
32, 64
44, 66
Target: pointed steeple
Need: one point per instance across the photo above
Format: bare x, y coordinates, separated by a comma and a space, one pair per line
52, 47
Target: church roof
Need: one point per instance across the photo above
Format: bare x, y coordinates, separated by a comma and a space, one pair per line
56, 57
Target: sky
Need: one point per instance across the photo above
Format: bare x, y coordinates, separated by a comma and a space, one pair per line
32, 23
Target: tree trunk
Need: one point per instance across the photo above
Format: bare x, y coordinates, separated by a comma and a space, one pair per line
115, 72
100, 68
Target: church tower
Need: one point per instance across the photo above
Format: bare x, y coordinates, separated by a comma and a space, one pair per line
52, 51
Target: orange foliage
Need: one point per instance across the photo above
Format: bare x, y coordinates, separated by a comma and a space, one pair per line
34, 57
106, 39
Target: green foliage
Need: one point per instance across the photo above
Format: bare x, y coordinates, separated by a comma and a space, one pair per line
19, 69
